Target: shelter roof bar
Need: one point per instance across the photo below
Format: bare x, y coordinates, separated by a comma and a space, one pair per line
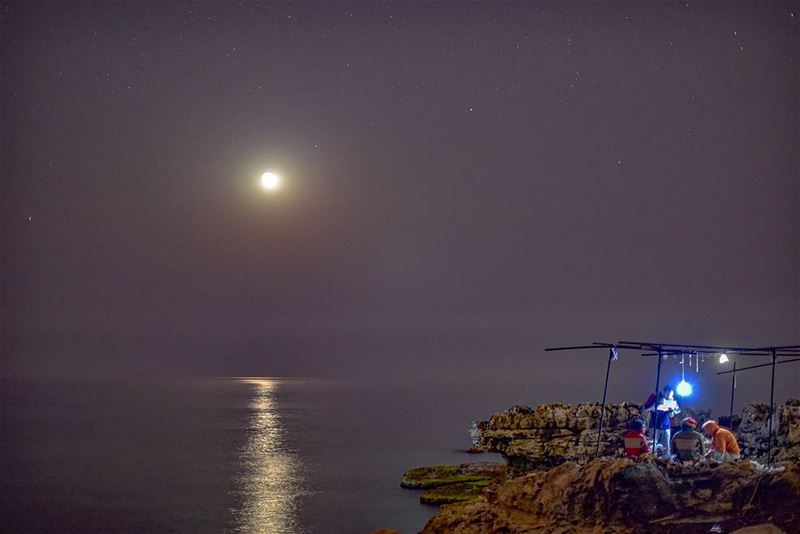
594, 345
785, 347
578, 347
756, 366
686, 346
759, 352
706, 352
690, 351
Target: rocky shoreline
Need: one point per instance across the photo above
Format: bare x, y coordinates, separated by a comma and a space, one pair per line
554, 484
621, 496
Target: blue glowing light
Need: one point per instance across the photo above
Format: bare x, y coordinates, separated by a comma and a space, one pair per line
684, 388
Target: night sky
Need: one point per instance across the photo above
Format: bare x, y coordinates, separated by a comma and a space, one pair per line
464, 184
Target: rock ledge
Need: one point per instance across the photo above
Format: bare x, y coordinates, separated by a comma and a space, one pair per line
619, 496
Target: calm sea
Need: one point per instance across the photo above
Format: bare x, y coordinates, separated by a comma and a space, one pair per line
228, 455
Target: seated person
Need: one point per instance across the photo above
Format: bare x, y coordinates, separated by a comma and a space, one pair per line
723, 442
635, 442
688, 444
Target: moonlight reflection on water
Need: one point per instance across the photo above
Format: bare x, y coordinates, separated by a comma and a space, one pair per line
270, 480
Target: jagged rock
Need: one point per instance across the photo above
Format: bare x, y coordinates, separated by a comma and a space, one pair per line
789, 416
622, 496
523, 409
764, 528
582, 495
550, 434
753, 431
545, 436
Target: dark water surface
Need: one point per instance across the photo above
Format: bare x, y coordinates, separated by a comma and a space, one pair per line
228, 455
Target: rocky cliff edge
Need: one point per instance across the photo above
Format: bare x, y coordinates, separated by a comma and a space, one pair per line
621, 496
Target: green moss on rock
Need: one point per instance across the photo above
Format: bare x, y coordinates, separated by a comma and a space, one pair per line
457, 492
452, 483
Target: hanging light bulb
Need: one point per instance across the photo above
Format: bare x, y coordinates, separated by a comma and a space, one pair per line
723, 358
684, 388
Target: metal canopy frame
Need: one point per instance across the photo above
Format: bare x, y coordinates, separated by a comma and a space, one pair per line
650, 348
772, 364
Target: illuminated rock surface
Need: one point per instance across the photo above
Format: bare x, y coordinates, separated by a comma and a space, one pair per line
571, 492
551, 434
621, 496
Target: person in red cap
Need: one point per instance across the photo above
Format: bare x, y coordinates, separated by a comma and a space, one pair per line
635, 442
688, 444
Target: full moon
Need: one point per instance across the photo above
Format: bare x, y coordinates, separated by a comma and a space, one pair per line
270, 181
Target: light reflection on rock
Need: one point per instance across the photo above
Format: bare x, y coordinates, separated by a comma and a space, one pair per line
270, 479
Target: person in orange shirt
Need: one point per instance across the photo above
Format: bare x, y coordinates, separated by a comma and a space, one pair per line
723, 442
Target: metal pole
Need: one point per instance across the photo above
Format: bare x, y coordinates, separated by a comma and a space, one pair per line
733, 390
654, 417
771, 407
603, 407
757, 366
